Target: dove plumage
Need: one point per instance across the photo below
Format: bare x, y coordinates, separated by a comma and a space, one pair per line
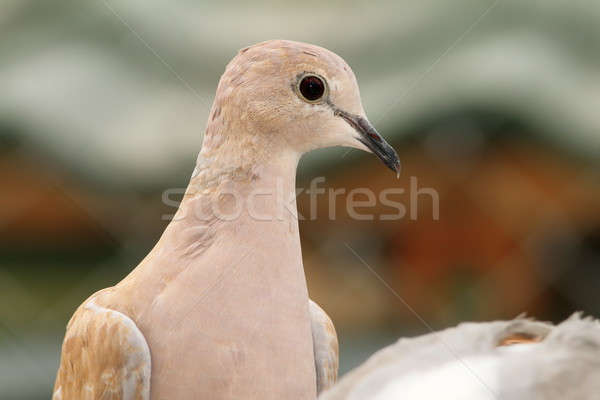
219, 308
520, 359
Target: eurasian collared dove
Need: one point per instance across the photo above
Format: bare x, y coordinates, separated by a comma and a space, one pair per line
219, 308
520, 359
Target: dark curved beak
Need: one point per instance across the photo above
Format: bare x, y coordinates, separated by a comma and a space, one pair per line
373, 140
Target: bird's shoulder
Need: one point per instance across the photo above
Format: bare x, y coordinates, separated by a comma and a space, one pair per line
104, 355
325, 344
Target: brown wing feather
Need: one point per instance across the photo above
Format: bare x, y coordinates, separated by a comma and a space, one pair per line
325, 345
104, 356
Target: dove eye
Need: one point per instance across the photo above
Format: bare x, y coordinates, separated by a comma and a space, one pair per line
311, 88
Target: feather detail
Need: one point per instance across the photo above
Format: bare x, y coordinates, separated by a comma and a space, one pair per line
104, 357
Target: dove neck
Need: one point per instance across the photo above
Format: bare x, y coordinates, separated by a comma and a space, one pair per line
234, 257
259, 191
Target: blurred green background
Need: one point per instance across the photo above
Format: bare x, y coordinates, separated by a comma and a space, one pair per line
493, 105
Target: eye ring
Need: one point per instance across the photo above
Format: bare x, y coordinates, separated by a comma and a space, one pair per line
312, 88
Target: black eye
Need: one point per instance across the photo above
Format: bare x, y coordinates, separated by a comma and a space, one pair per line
312, 88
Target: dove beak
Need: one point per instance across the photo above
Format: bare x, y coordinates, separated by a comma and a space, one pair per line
373, 140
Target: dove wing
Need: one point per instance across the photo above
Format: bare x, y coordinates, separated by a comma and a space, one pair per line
325, 346
104, 357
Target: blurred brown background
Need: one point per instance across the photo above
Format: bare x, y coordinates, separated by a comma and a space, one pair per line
493, 106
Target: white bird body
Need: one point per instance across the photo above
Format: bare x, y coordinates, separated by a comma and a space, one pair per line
514, 360
219, 309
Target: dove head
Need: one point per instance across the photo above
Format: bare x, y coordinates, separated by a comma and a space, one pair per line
282, 99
